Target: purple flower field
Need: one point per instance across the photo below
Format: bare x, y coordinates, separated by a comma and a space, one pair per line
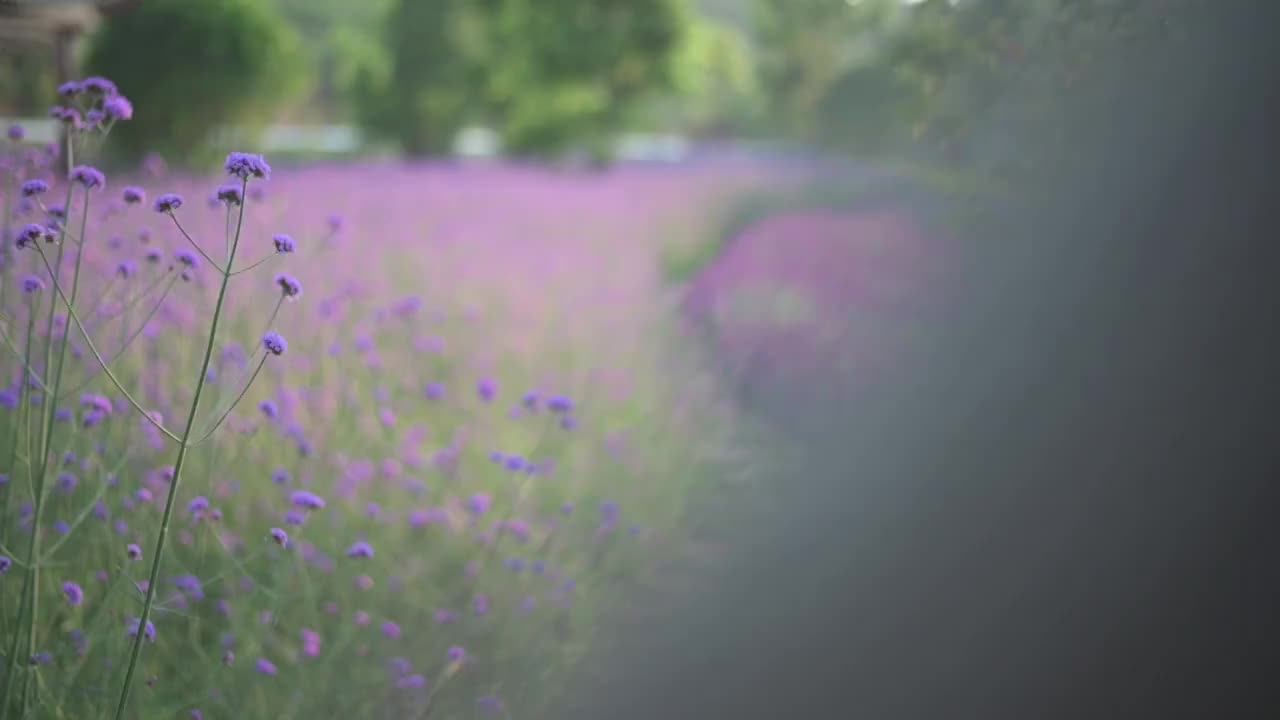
448, 413
441, 421
811, 294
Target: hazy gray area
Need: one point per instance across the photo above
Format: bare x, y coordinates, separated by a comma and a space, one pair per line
1056, 508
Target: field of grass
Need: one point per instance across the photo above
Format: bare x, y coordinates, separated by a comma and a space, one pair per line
480, 385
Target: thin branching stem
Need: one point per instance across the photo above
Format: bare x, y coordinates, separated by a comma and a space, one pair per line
39, 468
4, 509
260, 262
195, 244
106, 292
75, 317
270, 322
232, 406
26, 360
133, 301
4, 226
137, 331
22, 395
183, 447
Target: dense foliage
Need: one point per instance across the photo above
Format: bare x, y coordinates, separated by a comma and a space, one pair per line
544, 74
885, 77
196, 65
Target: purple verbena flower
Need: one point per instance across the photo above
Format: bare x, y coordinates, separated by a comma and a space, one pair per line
99, 85
361, 549
479, 503
131, 627
229, 194
73, 593
456, 654
133, 551
274, 343
134, 195
16, 133
289, 285
411, 682
310, 642
247, 165
96, 402
168, 202
560, 404
269, 409
307, 500
187, 258
32, 188
30, 234
190, 585
87, 176
118, 108
279, 536
32, 285
266, 667
284, 243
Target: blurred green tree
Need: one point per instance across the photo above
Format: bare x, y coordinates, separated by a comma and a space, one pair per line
572, 71
858, 74
191, 66
718, 88
546, 74
928, 77
418, 92
338, 37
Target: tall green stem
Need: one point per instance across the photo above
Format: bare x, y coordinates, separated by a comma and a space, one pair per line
46, 442
38, 468
154, 577
17, 425
4, 509
5, 253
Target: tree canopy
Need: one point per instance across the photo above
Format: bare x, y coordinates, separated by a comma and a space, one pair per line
191, 66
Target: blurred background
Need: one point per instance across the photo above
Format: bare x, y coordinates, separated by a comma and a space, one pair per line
575, 79
952, 311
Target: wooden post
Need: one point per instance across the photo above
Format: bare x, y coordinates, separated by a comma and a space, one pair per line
63, 59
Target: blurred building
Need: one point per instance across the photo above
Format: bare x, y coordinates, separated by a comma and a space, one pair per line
40, 32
